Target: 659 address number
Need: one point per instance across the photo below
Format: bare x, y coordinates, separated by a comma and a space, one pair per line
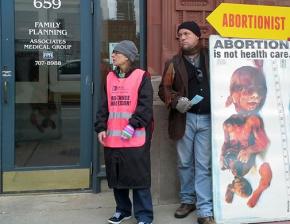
47, 4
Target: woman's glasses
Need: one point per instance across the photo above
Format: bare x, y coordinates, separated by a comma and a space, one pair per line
115, 52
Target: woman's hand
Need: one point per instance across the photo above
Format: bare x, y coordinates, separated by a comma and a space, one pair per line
101, 136
127, 132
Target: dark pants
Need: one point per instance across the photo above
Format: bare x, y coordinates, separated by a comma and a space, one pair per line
142, 203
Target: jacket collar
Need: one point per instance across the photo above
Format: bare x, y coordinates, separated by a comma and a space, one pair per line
180, 66
181, 69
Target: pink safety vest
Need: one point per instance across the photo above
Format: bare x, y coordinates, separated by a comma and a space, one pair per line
122, 96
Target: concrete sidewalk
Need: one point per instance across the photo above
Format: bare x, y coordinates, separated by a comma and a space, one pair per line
73, 208
76, 208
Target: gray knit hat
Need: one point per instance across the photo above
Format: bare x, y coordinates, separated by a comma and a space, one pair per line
127, 48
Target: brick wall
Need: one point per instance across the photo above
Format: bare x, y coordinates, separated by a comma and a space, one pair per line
162, 20
163, 17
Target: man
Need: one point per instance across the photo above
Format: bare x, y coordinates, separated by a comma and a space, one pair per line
185, 90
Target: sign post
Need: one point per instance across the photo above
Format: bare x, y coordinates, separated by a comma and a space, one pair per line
251, 21
249, 68
250, 101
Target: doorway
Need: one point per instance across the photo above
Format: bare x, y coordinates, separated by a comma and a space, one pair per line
46, 106
53, 60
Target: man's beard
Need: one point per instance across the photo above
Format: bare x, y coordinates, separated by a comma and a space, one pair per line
192, 51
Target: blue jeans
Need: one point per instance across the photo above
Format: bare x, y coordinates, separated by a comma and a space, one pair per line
142, 203
194, 164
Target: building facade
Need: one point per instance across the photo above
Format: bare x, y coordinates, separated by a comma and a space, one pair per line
54, 55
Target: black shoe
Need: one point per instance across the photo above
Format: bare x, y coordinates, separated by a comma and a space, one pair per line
118, 217
206, 220
184, 210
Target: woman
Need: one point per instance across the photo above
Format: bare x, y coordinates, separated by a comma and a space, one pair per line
124, 127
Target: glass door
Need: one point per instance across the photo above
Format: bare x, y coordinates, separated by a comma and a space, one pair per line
46, 106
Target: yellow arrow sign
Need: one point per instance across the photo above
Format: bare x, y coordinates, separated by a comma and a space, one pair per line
251, 21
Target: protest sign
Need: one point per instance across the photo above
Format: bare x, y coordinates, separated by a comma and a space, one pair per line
250, 104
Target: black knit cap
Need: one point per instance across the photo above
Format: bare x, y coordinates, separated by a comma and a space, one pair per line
190, 25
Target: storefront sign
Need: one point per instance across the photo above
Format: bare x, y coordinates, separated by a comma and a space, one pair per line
250, 101
49, 37
251, 21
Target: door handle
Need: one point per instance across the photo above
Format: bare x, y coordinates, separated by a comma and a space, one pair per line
5, 92
6, 75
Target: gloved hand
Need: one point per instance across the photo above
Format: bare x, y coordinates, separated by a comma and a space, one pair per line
183, 104
127, 132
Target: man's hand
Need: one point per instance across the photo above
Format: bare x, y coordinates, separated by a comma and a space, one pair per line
183, 104
101, 136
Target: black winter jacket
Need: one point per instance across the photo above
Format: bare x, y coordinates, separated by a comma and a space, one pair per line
130, 167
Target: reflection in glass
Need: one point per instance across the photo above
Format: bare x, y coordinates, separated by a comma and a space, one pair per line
47, 103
